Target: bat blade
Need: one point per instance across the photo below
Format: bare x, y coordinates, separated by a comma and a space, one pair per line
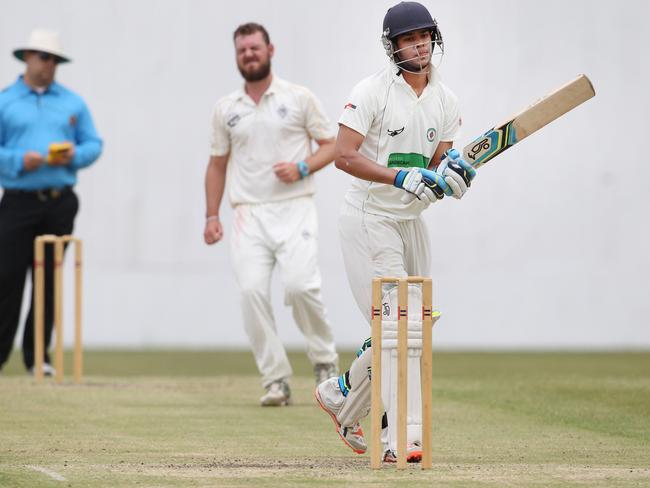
529, 120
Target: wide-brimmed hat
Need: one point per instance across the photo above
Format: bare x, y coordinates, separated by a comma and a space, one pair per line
45, 41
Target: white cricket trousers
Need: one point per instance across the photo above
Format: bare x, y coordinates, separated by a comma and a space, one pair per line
375, 246
283, 233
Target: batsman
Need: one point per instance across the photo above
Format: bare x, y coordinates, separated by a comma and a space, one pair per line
395, 138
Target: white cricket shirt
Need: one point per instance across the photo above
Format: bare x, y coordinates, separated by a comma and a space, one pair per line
400, 130
280, 128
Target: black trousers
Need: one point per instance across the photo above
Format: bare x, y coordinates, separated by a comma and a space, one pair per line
23, 216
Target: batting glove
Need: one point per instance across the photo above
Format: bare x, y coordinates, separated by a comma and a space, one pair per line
422, 184
457, 173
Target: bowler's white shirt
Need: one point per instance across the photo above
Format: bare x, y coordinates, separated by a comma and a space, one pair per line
279, 128
400, 130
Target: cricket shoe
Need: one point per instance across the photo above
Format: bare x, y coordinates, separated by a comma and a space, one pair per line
325, 371
48, 370
329, 397
278, 394
413, 454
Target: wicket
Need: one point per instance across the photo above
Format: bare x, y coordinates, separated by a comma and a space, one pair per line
377, 408
39, 305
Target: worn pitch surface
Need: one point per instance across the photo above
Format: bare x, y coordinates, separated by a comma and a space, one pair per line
179, 418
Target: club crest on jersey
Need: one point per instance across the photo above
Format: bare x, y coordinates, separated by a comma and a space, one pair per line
283, 111
350, 105
431, 134
395, 132
232, 120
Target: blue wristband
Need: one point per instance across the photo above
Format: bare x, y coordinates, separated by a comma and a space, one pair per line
303, 169
399, 178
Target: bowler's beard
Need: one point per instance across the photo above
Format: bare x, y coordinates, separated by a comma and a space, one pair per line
258, 74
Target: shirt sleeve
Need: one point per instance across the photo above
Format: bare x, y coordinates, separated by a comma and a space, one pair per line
219, 137
318, 125
88, 144
360, 110
452, 119
11, 160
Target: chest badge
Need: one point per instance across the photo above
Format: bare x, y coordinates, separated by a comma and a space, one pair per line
232, 120
395, 132
431, 134
72, 121
283, 111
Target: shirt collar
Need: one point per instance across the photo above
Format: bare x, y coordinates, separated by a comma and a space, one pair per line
434, 76
271, 90
24, 88
273, 87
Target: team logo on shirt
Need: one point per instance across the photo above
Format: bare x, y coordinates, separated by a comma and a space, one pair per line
350, 105
72, 121
431, 134
395, 132
283, 111
232, 120
386, 308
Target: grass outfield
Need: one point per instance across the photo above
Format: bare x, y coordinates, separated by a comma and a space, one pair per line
181, 418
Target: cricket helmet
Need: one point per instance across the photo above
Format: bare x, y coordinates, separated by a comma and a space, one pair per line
408, 17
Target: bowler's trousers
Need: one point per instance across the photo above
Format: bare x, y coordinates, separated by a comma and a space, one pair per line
24, 215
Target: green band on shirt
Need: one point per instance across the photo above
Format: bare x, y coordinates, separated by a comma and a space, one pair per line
410, 160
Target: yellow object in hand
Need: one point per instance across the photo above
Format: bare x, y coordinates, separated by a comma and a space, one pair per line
57, 150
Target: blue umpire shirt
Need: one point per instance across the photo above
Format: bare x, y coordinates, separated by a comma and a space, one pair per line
30, 121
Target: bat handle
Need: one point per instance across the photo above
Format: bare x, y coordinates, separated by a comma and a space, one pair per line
452, 160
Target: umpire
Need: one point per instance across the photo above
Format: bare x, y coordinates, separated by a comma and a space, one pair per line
36, 113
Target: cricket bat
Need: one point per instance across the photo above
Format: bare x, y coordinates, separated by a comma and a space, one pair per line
529, 120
